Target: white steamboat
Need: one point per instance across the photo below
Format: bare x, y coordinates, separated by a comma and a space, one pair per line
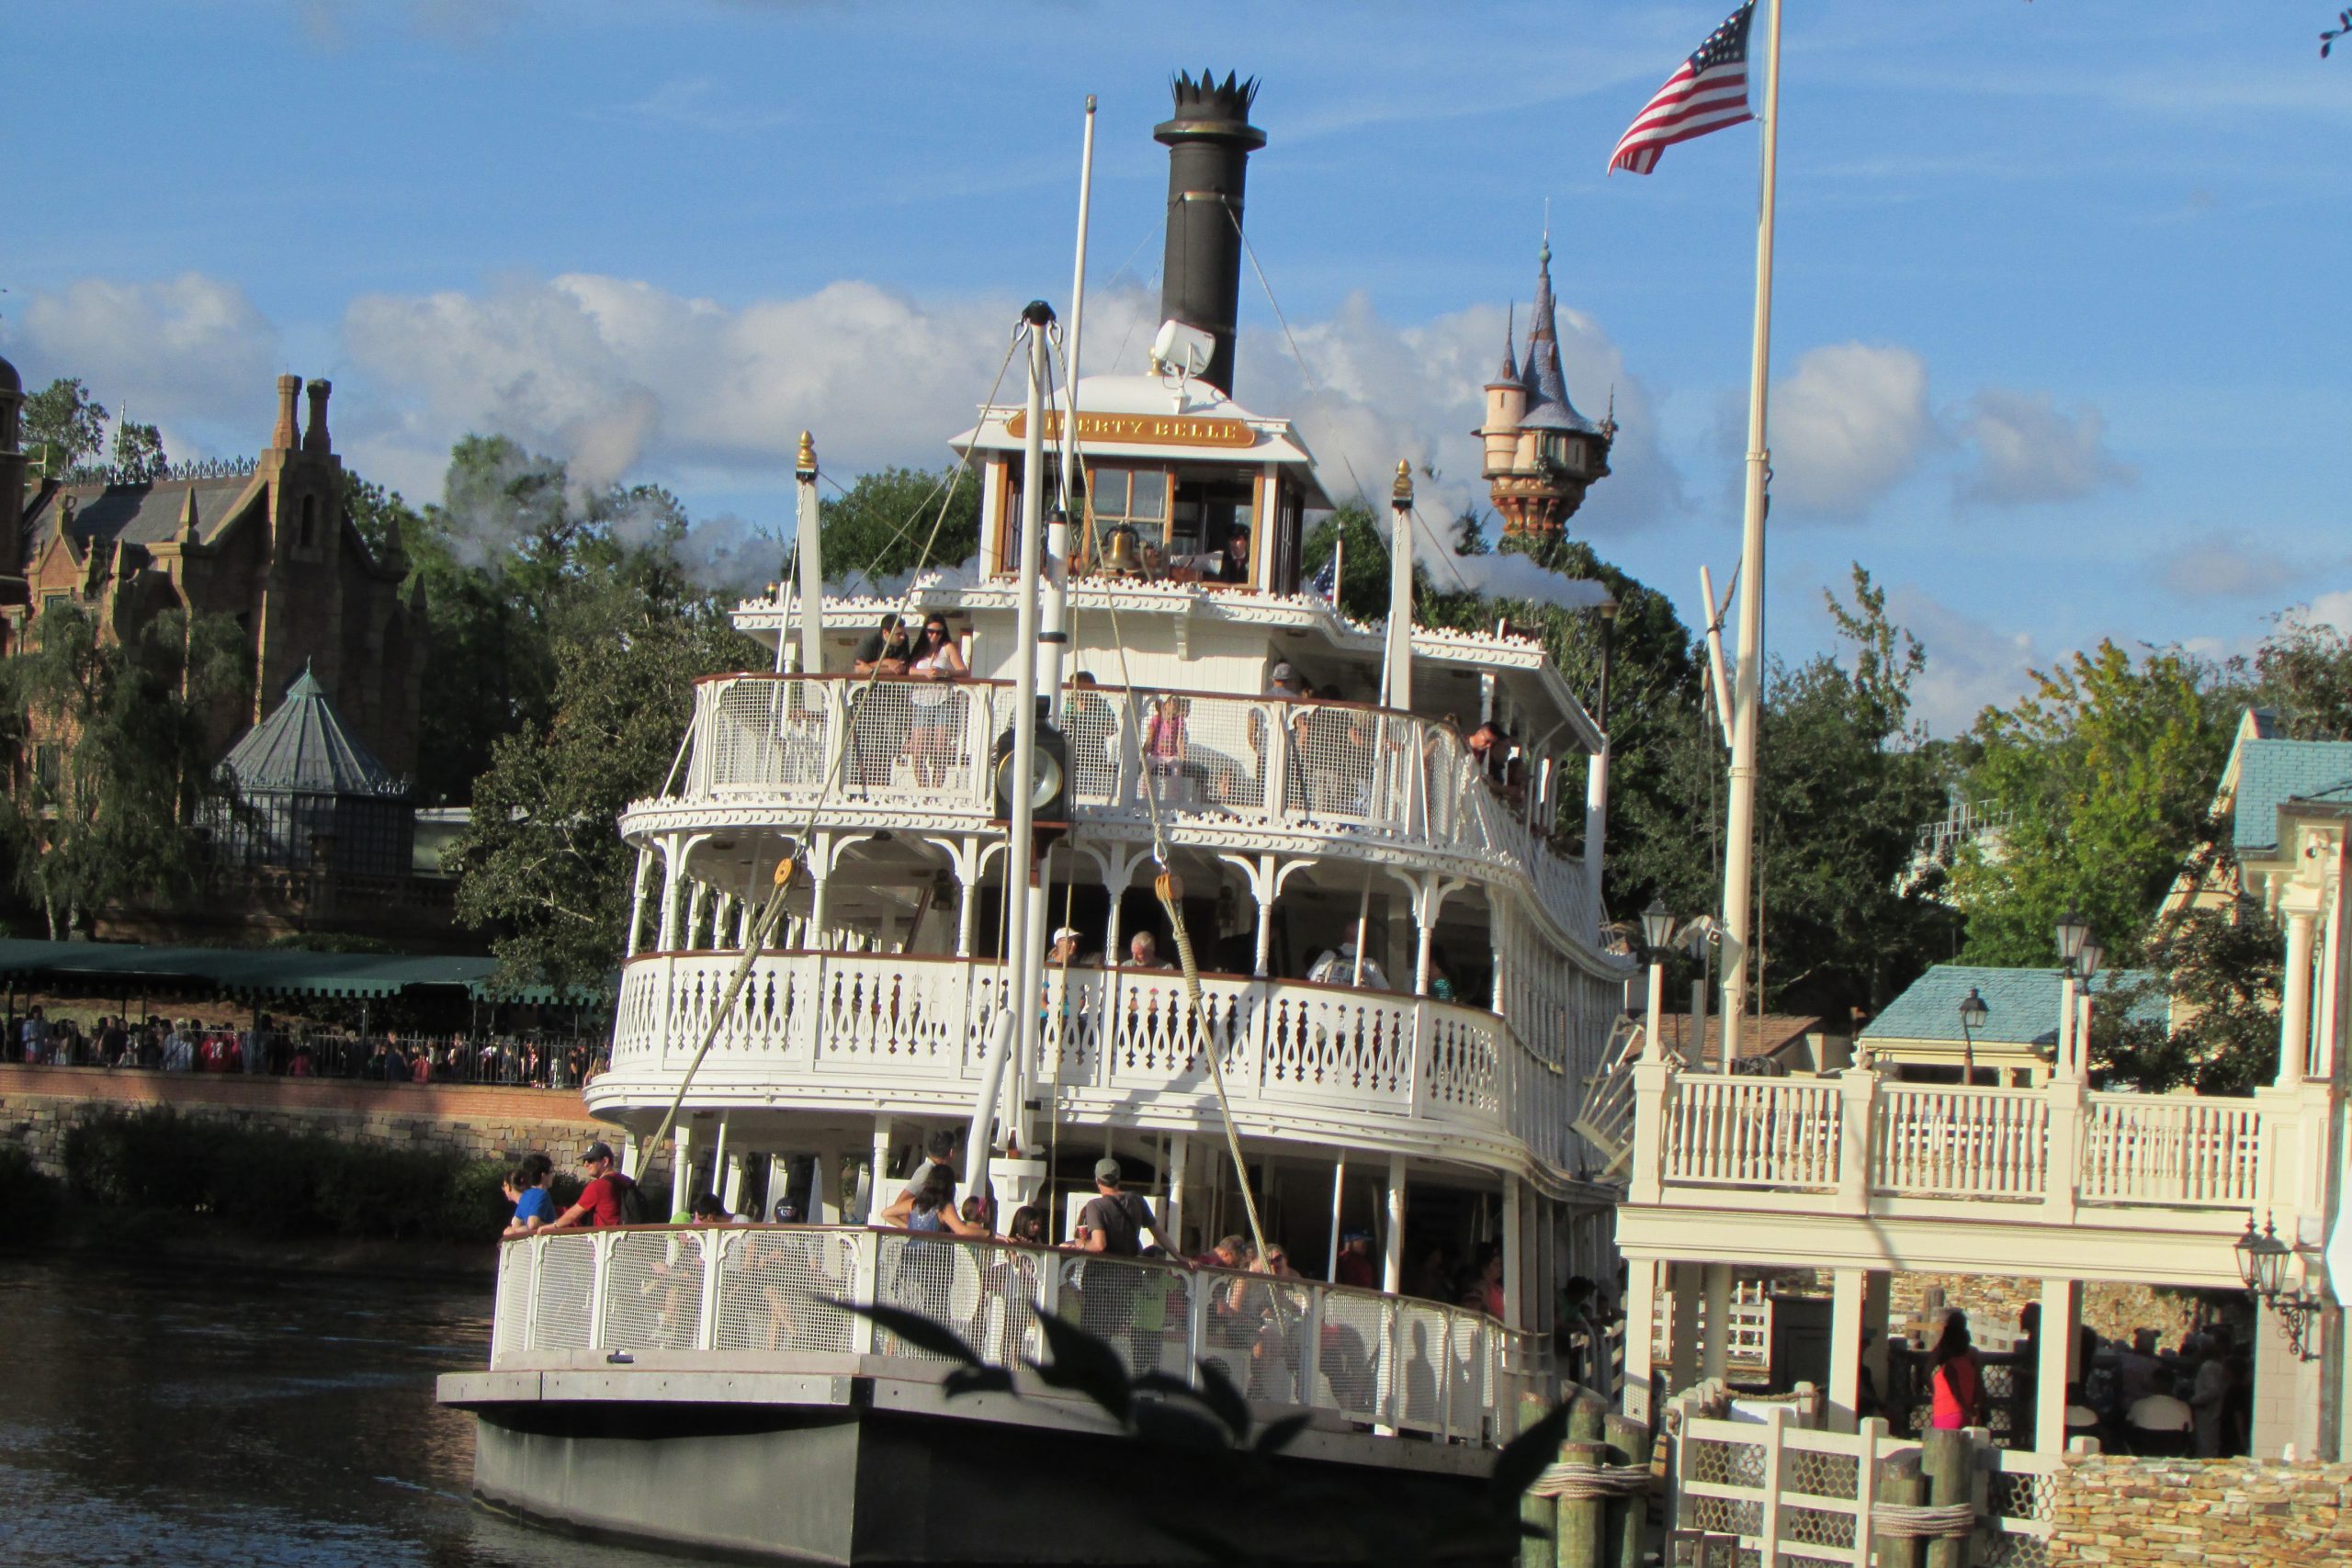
696, 1386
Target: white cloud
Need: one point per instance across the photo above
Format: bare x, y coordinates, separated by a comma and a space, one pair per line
1849, 425
2028, 451
619, 377
1969, 665
190, 347
2222, 565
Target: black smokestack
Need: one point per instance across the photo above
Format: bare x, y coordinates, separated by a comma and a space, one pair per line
1209, 143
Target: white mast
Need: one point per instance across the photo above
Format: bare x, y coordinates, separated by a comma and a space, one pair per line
1740, 829
812, 566
1054, 644
1397, 672
1024, 958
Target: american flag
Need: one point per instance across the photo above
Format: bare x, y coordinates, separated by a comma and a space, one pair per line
1708, 92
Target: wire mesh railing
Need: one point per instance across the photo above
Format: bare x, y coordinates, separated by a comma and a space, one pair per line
1256, 761
765, 1290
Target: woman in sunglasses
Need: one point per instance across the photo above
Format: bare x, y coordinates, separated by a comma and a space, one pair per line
933, 739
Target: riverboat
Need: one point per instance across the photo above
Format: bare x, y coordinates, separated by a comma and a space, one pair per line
1215, 756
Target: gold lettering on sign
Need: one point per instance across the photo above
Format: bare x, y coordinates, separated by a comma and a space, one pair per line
1144, 429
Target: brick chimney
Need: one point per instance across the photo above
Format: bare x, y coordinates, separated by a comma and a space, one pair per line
315, 438
284, 438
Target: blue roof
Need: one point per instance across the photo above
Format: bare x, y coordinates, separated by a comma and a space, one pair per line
2272, 772
2021, 1005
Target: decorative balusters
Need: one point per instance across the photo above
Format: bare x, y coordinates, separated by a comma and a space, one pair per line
1745, 1132
2162, 1149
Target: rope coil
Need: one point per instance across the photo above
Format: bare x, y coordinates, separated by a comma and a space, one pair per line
1923, 1521
1574, 1483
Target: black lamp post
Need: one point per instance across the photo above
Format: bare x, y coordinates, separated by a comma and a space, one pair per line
1658, 929
1972, 1014
2262, 1264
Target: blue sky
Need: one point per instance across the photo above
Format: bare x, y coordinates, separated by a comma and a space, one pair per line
2059, 350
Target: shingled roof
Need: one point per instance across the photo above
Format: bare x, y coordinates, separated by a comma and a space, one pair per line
2272, 772
305, 748
2021, 1005
149, 513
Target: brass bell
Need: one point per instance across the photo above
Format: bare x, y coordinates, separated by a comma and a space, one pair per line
1119, 548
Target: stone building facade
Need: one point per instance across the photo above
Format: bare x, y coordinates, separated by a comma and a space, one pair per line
272, 546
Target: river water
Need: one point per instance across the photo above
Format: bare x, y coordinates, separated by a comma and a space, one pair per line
193, 1414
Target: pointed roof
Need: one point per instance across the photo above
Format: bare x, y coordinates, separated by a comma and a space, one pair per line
1547, 389
305, 746
1509, 375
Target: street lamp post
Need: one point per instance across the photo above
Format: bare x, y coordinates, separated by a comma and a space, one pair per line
2073, 933
2088, 961
2262, 1264
1973, 1013
1658, 929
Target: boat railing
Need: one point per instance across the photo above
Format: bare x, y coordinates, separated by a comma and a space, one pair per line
732, 1296
1254, 762
840, 1024
2059, 1152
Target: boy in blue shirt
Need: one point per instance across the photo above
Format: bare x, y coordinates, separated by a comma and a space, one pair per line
526, 1189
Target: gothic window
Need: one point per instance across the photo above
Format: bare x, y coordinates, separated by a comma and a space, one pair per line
309, 520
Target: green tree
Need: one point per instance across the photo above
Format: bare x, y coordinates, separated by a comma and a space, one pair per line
138, 451
63, 426
879, 529
2302, 674
2218, 968
116, 762
1470, 533
2104, 774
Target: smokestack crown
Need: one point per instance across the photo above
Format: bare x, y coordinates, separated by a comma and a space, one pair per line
1210, 108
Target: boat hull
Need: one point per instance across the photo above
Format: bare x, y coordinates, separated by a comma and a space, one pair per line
840, 1478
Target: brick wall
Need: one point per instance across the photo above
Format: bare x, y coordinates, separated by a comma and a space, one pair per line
38, 1104
2139, 1513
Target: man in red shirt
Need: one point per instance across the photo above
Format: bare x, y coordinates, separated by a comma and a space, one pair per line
1355, 1262
600, 1200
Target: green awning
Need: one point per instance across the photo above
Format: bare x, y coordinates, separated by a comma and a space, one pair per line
270, 972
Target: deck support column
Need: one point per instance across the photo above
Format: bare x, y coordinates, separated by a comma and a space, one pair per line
636, 908
1180, 1156
1391, 1261
2295, 1008
666, 939
779, 1186
824, 1187
719, 1158
1514, 1257
2058, 1345
1682, 1336
876, 1199
681, 1166
1716, 1362
1640, 1312
733, 1193
1849, 1308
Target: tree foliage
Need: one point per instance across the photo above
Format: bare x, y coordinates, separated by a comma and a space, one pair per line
606, 634
2303, 675
114, 761
138, 451
63, 426
878, 529
2219, 967
2104, 774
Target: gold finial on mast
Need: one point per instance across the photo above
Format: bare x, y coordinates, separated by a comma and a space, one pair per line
1402, 494
807, 465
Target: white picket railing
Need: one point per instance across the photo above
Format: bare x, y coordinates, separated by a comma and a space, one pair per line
867, 1021
1751, 1319
1788, 1496
750, 1293
1863, 1139
790, 741
1970, 1142
2141, 1148
1750, 1131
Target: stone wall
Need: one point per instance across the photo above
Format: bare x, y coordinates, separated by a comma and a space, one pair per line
2139, 1513
1993, 1301
38, 1104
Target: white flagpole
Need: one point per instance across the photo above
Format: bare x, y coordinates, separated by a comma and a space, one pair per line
1749, 672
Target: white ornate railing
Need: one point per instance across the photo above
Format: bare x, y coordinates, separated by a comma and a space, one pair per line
1750, 1132
2171, 1149
872, 1021
1321, 767
2069, 1153
1968, 1143
752, 1293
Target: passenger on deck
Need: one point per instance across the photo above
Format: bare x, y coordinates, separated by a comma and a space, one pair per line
941, 1156
1143, 952
1958, 1383
932, 1208
602, 1201
1233, 562
526, 1189
1344, 969
1355, 1265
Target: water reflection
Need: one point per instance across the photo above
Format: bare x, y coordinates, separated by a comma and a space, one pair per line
200, 1415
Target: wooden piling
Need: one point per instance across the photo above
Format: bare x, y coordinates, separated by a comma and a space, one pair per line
1540, 1514
1625, 1529
1949, 1461
1580, 1518
1903, 1485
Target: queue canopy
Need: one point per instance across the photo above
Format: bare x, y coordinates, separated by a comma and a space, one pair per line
270, 972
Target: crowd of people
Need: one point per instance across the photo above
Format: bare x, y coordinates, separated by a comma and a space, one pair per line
2192, 1399
265, 1048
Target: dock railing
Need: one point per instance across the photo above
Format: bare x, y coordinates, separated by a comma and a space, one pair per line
1862, 1142
736, 1296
